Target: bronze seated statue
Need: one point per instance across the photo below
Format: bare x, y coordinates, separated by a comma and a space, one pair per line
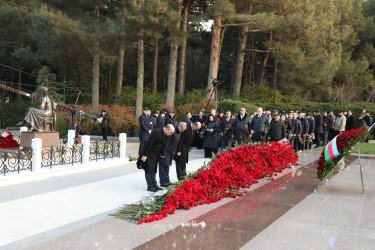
44, 118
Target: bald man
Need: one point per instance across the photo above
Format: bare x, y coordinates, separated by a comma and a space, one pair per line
152, 151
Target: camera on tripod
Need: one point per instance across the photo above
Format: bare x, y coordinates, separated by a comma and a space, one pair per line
215, 82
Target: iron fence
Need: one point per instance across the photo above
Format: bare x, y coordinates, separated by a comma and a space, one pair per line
61, 155
100, 149
15, 161
21, 159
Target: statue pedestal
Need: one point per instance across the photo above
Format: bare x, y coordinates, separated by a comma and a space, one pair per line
48, 138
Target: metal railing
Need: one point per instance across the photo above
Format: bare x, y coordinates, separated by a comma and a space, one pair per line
15, 161
61, 155
100, 149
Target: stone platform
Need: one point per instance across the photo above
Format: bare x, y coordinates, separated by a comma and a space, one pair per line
48, 138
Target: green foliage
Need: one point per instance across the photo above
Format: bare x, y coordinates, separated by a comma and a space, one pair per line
15, 110
261, 93
62, 125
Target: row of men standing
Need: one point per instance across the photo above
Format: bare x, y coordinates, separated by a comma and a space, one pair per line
161, 140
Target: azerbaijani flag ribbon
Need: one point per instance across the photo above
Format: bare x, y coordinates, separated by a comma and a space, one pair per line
331, 151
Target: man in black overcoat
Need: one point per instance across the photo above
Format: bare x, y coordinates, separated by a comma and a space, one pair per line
145, 129
318, 127
311, 131
296, 131
182, 151
258, 123
241, 127
226, 130
151, 153
198, 141
160, 122
277, 131
349, 121
169, 149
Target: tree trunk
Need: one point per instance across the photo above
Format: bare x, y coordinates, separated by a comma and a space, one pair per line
275, 74
96, 69
252, 63
120, 71
155, 69
239, 62
171, 88
214, 57
140, 77
182, 69
264, 67
95, 81
120, 65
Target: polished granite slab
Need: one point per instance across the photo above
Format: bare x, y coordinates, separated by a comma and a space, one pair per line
234, 224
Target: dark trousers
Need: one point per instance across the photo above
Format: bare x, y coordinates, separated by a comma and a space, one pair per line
225, 143
257, 137
301, 145
242, 141
325, 136
151, 180
104, 132
141, 146
181, 170
317, 139
163, 174
208, 152
295, 144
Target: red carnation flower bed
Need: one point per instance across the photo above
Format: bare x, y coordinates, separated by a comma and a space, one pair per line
345, 142
229, 171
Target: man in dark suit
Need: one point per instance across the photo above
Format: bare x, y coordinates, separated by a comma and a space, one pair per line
105, 121
170, 118
318, 127
198, 141
151, 154
327, 123
296, 131
165, 161
187, 119
154, 117
226, 130
241, 127
349, 121
311, 130
182, 151
305, 129
258, 123
367, 118
160, 122
277, 131
145, 129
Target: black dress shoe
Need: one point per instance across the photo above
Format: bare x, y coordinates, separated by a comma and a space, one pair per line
158, 188
164, 185
152, 189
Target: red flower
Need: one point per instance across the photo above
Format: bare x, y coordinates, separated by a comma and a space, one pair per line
230, 171
303, 136
229, 123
